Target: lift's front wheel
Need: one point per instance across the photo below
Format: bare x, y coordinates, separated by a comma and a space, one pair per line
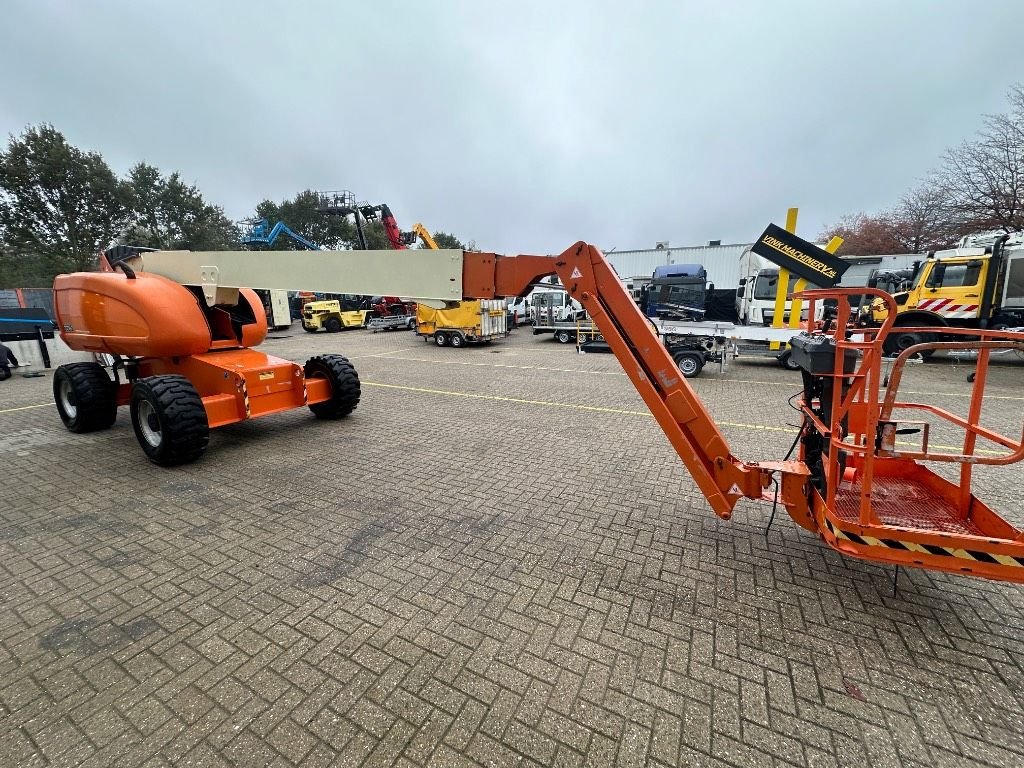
85, 396
344, 381
169, 419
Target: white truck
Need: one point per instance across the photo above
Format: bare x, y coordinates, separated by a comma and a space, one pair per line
755, 295
553, 308
759, 280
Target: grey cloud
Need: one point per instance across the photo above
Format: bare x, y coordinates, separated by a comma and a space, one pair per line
523, 125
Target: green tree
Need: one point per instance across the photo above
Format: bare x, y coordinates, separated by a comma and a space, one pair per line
300, 214
167, 213
58, 204
446, 240
333, 232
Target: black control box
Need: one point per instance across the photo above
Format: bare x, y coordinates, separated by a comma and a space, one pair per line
816, 354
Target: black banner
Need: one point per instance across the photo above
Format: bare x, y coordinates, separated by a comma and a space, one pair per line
800, 257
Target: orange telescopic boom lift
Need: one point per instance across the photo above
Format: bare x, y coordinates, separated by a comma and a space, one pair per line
180, 325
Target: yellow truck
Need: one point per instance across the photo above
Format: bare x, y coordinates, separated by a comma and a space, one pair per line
976, 285
329, 316
467, 322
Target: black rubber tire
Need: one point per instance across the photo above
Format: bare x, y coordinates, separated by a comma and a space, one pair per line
690, 364
345, 388
897, 341
309, 329
169, 419
441, 339
457, 340
563, 337
86, 398
333, 325
786, 361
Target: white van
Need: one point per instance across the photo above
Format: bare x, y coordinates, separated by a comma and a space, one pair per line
519, 310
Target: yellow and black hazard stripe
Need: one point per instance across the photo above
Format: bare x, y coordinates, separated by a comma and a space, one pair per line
926, 549
245, 399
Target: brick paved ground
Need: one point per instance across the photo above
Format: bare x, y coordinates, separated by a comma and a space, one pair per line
444, 580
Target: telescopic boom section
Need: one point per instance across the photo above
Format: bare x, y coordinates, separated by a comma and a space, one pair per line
590, 279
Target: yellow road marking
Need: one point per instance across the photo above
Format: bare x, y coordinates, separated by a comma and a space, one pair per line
25, 408
507, 365
381, 354
602, 409
790, 385
553, 404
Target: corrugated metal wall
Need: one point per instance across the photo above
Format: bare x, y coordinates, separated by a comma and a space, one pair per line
721, 261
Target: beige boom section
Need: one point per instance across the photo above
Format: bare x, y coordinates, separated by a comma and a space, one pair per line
420, 275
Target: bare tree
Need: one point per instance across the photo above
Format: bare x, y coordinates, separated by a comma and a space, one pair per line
985, 177
924, 220
865, 235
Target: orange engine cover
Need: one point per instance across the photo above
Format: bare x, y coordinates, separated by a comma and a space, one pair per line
150, 316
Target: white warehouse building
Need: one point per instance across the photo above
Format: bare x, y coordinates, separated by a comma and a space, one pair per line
722, 262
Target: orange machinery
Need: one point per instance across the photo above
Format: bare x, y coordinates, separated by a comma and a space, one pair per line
853, 482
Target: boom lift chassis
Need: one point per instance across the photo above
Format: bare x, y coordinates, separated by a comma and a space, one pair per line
853, 482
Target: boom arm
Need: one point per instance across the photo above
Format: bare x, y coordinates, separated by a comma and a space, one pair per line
425, 236
451, 275
391, 228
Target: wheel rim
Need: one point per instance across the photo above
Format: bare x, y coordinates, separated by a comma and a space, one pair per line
456, 341
563, 337
67, 399
688, 365
149, 424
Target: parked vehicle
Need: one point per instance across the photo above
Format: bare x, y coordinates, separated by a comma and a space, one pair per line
971, 286
519, 311
476, 321
677, 291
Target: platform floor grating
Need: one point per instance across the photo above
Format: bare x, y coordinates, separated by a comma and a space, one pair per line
905, 503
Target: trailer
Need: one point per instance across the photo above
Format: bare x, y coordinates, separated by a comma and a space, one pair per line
468, 322
722, 341
391, 323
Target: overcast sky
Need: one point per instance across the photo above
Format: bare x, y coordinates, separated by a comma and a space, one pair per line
524, 126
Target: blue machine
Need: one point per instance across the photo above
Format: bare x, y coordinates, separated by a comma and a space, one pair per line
260, 232
678, 291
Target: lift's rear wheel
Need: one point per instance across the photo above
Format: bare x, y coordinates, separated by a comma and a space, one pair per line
441, 339
457, 340
86, 397
169, 419
333, 325
344, 380
563, 336
690, 364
